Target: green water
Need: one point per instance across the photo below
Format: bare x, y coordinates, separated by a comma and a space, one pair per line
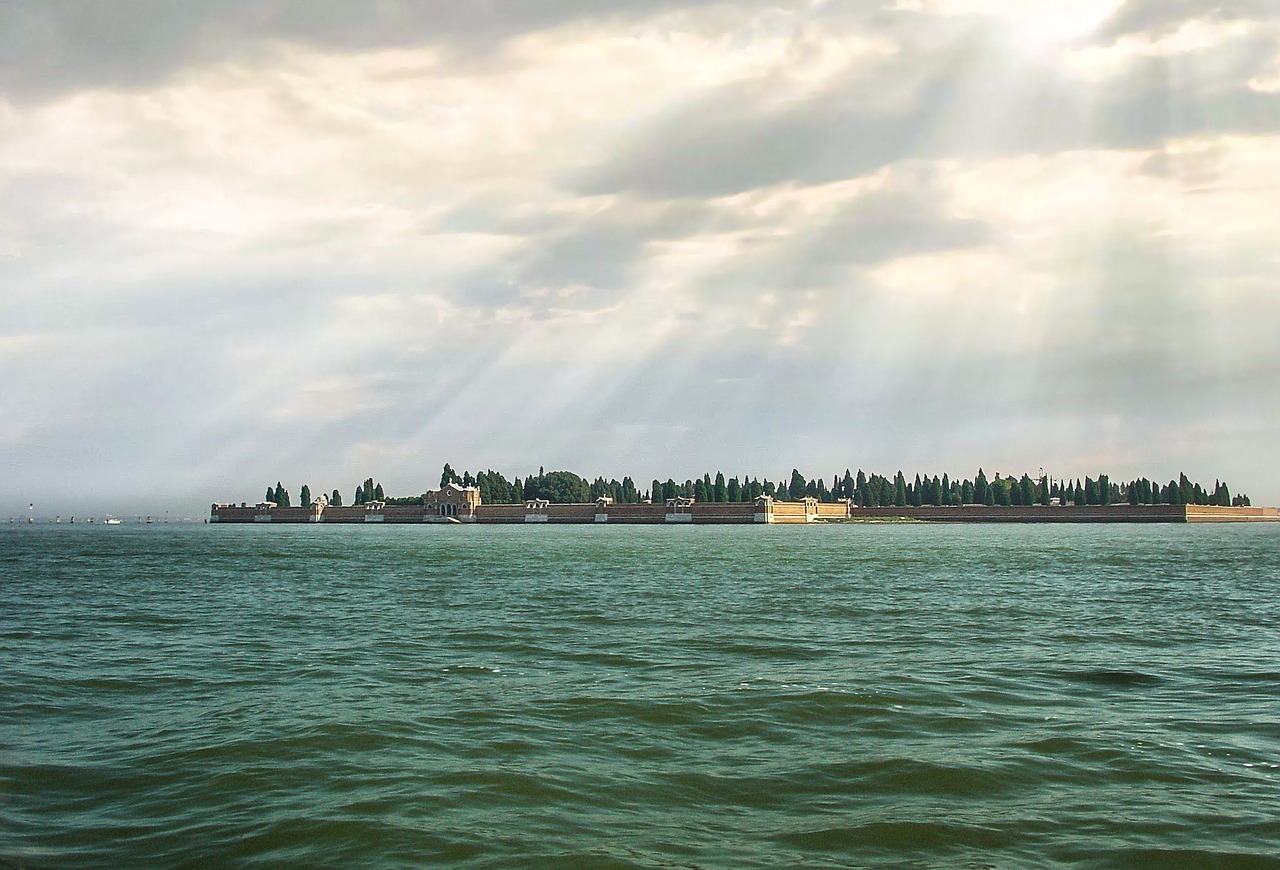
908, 696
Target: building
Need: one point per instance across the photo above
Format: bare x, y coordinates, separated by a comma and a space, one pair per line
451, 502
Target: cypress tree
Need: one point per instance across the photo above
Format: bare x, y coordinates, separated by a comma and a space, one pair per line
719, 490
1028, 490
1000, 490
336, 499
797, 485
304, 497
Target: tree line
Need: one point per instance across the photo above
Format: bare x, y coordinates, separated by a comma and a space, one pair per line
874, 490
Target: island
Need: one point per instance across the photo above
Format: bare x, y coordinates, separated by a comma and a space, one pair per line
564, 497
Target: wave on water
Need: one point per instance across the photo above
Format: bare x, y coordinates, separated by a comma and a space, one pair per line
1115, 678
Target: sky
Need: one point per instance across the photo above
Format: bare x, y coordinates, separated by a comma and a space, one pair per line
245, 241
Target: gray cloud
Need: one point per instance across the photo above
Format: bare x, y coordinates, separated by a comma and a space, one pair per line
50, 46
977, 99
1159, 17
890, 223
597, 254
970, 97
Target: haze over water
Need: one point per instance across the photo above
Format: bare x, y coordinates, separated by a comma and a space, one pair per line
639, 697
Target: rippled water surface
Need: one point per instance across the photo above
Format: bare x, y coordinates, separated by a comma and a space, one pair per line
732, 697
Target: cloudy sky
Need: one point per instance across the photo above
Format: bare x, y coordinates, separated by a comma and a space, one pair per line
250, 240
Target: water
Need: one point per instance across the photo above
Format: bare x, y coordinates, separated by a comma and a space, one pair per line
910, 696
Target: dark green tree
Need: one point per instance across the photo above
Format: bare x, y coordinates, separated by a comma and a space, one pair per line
304, 497
1000, 490
797, 485
336, 499
559, 487
700, 493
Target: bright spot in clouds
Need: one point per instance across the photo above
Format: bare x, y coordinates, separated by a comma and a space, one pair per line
1058, 22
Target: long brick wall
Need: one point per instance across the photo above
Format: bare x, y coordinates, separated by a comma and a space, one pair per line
636, 513
500, 513
727, 513
1212, 514
723, 513
1159, 513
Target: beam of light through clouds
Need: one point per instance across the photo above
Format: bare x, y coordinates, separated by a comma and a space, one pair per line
314, 242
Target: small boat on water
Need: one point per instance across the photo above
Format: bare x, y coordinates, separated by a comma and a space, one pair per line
111, 521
